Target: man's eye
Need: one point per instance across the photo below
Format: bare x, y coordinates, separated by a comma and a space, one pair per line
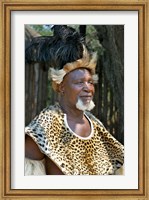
91, 82
79, 82
82, 82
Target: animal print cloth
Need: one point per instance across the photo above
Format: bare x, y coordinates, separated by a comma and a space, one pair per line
98, 154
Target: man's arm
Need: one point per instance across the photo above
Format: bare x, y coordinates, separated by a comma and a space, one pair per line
32, 150
34, 159
51, 168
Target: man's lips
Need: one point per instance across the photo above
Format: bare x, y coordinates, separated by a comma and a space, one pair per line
86, 97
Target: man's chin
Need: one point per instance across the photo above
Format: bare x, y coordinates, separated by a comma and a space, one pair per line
85, 105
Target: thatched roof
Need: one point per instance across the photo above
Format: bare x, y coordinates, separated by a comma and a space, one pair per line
30, 33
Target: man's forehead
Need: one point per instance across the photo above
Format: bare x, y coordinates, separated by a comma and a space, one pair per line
77, 73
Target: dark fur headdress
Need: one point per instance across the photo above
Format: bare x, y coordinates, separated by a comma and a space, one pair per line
64, 52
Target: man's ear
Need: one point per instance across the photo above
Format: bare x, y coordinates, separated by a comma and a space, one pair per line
61, 88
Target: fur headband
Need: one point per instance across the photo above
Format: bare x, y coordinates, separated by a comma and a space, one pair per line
86, 62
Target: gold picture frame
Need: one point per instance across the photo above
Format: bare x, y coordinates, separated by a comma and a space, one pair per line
6, 6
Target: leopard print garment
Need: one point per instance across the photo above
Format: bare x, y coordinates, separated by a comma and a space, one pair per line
98, 154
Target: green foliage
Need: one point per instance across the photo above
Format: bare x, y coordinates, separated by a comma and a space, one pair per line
42, 30
92, 40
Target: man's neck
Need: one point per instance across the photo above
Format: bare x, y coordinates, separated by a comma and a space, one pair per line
76, 120
71, 111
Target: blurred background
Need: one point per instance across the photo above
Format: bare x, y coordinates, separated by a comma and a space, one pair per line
108, 42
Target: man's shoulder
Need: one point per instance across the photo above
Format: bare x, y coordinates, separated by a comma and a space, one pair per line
47, 116
51, 109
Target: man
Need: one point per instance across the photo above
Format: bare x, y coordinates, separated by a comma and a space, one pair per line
66, 136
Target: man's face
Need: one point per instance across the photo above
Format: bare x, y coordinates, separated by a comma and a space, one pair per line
78, 85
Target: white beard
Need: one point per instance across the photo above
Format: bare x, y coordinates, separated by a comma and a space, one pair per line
89, 106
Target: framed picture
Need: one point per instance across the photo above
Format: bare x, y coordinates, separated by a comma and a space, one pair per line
133, 16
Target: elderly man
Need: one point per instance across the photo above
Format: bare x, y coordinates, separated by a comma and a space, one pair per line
66, 139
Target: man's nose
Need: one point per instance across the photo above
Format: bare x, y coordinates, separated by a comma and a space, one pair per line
87, 86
